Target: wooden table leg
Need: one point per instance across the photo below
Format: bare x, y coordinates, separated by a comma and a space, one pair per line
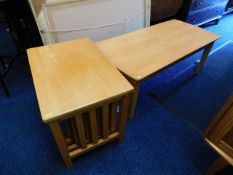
123, 117
59, 137
204, 57
133, 101
217, 166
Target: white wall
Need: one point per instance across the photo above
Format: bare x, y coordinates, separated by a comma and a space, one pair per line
97, 19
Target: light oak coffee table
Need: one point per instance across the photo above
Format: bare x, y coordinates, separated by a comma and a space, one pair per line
143, 53
79, 91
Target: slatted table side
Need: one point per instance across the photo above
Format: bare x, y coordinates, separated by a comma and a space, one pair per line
89, 129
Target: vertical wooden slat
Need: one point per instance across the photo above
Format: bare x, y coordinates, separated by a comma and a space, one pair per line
93, 124
113, 117
75, 133
99, 122
124, 108
71, 129
105, 121
60, 140
87, 126
81, 131
68, 125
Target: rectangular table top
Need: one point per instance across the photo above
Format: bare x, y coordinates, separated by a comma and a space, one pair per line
141, 53
72, 76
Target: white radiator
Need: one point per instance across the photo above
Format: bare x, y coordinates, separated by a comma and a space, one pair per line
61, 20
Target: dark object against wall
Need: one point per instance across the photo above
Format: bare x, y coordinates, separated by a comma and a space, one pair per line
162, 9
229, 7
23, 23
200, 12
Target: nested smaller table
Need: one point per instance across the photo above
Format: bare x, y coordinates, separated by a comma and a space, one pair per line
78, 91
143, 53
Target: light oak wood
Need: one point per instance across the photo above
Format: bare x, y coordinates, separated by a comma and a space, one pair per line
78, 151
113, 117
59, 137
99, 122
70, 148
220, 151
218, 117
134, 98
76, 85
81, 131
123, 117
217, 166
73, 76
86, 125
37, 5
105, 121
93, 125
219, 135
204, 57
74, 131
142, 53
69, 128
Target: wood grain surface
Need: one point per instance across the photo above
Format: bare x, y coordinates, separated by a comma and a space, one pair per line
73, 76
141, 53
